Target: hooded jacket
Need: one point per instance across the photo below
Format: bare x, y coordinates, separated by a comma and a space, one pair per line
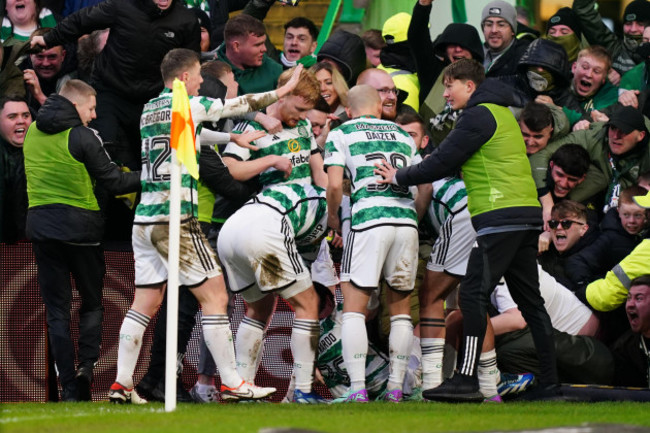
487, 146
141, 34
63, 222
552, 58
429, 67
348, 51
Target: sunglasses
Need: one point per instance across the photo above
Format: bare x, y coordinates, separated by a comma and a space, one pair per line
564, 223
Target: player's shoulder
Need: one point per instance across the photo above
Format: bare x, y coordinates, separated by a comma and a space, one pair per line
248, 125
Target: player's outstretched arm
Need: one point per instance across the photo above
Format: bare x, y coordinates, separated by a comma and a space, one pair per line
252, 102
292, 83
244, 170
246, 138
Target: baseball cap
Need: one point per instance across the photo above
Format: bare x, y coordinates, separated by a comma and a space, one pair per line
627, 119
396, 28
643, 200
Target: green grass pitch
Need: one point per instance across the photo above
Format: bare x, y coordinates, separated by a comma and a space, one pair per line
377, 417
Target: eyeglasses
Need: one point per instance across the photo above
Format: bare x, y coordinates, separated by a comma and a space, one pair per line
386, 91
566, 224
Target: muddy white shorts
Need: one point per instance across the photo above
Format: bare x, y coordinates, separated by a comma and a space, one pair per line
391, 251
259, 255
197, 261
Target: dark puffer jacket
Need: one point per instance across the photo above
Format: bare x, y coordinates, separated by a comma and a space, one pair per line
141, 34
347, 50
553, 58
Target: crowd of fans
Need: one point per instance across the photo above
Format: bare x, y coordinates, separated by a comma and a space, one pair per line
567, 186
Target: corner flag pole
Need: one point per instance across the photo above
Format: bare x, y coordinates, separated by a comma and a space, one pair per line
183, 147
172, 284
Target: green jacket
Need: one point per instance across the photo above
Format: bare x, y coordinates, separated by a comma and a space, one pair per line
610, 292
605, 97
635, 78
600, 175
263, 78
11, 77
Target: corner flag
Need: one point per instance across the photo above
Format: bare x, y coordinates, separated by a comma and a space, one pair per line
183, 132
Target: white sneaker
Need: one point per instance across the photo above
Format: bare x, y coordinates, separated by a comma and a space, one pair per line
245, 391
121, 395
208, 394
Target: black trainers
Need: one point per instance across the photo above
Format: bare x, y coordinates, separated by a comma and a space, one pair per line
151, 391
182, 395
459, 388
84, 380
69, 393
156, 392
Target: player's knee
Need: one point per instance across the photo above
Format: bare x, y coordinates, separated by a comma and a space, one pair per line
305, 304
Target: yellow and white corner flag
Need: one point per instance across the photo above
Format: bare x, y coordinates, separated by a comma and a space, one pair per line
183, 132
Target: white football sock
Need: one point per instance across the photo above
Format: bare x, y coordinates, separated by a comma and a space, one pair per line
131, 334
218, 338
355, 348
248, 346
432, 356
399, 345
488, 373
304, 341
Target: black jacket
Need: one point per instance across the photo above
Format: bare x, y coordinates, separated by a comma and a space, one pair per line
430, 66
348, 51
13, 193
631, 363
507, 63
553, 58
140, 36
66, 223
556, 264
612, 245
475, 127
219, 14
230, 194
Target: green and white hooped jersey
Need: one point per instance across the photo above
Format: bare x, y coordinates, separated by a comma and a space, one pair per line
449, 198
155, 129
304, 207
358, 145
297, 144
330, 359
